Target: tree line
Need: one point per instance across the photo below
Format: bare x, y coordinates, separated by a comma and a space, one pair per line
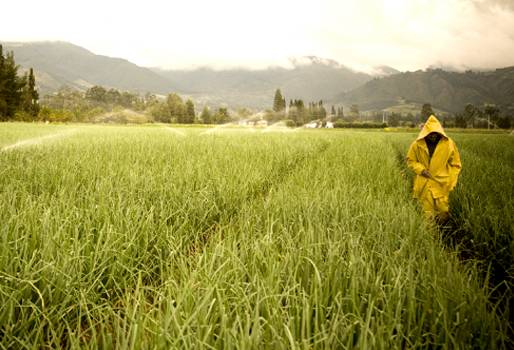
487, 116
71, 105
298, 113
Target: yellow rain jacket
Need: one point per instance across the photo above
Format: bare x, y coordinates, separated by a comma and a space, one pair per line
444, 166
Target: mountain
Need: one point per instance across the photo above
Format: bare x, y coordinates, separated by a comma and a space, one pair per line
446, 90
59, 63
310, 78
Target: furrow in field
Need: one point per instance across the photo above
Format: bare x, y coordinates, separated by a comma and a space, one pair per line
260, 191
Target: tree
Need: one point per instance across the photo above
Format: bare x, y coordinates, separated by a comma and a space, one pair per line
426, 111
17, 94
279, 103
176, 108
333, 111
113, 96
97, 94
160, 112
292, 113
471, 114
150, 99
505, 122
354, 112
312, 112
340, 112
322, 110
393, 119
411, 118
244, 113
190, 112
11, 87
460, 121
221, 116
492, 113
297, 112
3, 103
205, 116
30, 95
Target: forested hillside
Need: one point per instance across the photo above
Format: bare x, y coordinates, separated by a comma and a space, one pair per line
450, 91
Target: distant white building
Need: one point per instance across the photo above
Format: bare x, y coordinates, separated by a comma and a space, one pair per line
311, 125
329, 125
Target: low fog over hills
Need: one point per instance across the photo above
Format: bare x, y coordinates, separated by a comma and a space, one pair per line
310, 78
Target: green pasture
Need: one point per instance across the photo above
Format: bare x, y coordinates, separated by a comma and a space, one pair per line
155, 237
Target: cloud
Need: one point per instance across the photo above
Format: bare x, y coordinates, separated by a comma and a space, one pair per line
414, 34
405, 34
494, 4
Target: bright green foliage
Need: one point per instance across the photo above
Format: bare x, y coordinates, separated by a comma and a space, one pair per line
138, 237
483, 205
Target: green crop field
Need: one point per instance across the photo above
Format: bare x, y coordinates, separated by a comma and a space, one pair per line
157, 237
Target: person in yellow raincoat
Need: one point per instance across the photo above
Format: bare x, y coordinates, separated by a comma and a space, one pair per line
434, 157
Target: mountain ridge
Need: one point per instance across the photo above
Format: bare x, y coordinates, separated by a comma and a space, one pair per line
447, 90
310, 82
61, 63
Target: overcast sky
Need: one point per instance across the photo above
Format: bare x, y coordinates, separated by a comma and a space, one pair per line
404, 34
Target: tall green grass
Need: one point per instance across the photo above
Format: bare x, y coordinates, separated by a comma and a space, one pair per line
138, 237
483, 210
482, 226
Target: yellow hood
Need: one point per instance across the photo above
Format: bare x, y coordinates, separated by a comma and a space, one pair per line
431, 125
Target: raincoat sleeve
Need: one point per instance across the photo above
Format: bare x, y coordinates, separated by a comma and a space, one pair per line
412, 160
455, 166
